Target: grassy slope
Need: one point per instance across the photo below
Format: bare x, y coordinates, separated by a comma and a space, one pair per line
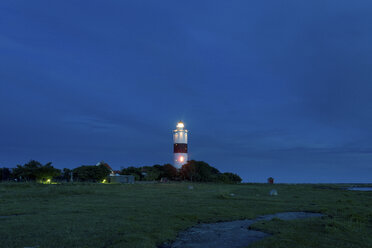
101, 215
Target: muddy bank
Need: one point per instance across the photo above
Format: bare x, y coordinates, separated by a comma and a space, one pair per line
232, 234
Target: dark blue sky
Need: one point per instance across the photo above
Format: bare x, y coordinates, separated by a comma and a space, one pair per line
266, 88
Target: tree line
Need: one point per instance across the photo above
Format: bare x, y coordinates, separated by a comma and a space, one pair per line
34, 171
196, 171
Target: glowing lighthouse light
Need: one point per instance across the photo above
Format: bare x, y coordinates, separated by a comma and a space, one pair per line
182, 158
180, 145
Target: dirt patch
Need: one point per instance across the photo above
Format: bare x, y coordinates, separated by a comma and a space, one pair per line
232, 234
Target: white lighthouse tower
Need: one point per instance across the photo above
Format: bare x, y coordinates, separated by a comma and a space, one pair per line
180, 145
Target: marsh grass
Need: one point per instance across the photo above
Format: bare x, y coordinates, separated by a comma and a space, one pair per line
146, 215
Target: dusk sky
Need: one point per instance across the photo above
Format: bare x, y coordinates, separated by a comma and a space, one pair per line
265, 88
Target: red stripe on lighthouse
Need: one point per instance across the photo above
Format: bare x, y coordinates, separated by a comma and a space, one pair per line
180, 148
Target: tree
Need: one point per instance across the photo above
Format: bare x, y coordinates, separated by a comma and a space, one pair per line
169, 171
198, 171
66, 174
152, 173
91, 173
27, 172
47, 172
35, 171
5, 174
136, 172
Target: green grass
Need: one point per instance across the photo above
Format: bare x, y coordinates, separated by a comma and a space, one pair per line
104, 215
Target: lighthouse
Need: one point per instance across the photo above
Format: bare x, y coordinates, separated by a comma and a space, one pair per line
180, 145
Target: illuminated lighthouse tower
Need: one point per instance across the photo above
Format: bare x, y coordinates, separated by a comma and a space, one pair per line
180, 145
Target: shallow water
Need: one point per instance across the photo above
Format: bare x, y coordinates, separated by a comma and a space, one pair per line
361, 188
232, 234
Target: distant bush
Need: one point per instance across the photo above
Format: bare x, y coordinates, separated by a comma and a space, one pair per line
91, 173
270, 180
228, 177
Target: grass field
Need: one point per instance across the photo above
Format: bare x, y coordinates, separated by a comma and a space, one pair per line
108, 215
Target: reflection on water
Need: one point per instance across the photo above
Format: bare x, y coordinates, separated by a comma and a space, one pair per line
361, 188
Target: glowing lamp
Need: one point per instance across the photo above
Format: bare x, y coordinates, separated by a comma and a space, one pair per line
180, 125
